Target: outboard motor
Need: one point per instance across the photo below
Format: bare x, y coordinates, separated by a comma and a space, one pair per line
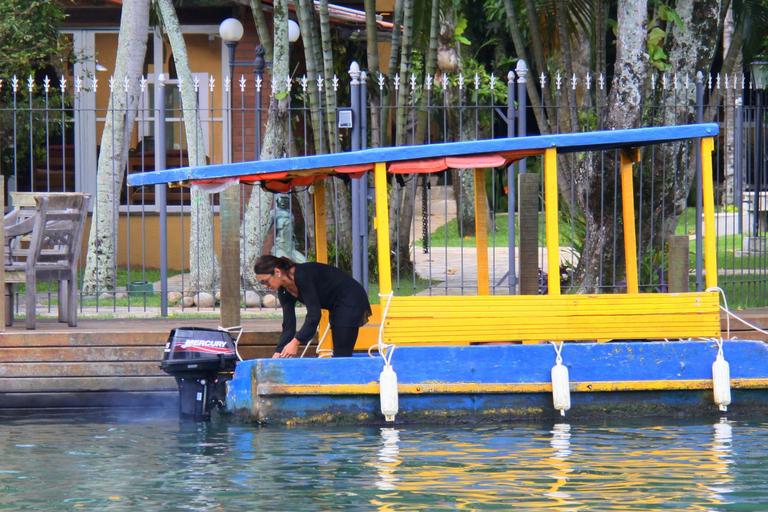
202, 360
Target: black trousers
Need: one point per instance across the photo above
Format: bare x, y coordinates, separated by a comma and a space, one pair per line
344, 339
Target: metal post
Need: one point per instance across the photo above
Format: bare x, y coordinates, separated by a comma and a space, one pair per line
699, 241
522, 97
758, 174
258, 74
354, 93
738, 170
160, 190
511, 188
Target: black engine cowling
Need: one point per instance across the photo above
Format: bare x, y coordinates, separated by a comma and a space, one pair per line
202, 360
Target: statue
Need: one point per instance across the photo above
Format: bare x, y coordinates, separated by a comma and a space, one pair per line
285, 240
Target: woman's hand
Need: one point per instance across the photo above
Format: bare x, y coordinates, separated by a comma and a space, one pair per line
291, 349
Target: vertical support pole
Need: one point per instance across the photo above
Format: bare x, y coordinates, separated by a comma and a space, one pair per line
511, 190
230, 256
363, 143
699, 119
321, 250
161, 190
381, 223
708, 200
677, 276
628, 216
481, 233
551, 220
321, 228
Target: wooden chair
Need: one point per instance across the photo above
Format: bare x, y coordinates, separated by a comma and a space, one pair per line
43, 239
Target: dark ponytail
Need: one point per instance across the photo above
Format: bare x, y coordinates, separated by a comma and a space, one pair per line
267, 264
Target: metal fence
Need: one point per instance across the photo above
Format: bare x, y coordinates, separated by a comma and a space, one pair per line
52, 127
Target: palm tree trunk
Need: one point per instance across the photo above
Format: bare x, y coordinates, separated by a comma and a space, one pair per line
262, 29
330, 94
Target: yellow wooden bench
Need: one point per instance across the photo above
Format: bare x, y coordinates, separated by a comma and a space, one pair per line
465, 320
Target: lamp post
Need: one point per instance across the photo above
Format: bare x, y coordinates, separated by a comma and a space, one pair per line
759, 72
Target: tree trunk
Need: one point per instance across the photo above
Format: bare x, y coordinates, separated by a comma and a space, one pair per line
257, 214
372, 52
600, 252
203, 266
113, 154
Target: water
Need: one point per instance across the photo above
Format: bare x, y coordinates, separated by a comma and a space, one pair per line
118, 461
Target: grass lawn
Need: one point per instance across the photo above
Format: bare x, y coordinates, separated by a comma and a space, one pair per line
124, 276
499, 239
404, 287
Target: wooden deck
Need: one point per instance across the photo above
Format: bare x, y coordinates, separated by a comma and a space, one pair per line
115, 363
102, 363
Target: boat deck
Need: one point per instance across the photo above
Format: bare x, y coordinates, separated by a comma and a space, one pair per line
115, 362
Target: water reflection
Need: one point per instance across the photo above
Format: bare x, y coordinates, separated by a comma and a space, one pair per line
389, 459
162, 464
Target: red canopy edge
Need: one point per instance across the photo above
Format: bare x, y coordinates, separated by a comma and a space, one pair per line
286, 180
431, 165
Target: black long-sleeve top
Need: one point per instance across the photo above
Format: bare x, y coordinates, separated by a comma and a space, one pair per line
322, 286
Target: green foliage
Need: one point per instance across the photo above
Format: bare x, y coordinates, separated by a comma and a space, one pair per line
458, 31
29, 35
657, 35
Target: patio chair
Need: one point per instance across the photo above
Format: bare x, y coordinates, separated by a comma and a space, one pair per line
43, 238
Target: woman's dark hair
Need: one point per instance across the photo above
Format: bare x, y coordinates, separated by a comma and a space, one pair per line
267, 264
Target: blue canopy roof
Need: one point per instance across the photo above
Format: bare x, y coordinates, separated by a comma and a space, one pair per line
565, 143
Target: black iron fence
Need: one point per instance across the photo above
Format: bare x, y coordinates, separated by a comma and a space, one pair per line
52, 132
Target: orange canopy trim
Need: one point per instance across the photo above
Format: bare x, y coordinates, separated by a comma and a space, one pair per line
430, 165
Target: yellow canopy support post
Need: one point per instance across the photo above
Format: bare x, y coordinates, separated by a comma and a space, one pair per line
551, 220
381, 223
481, 233
629, 157
708, 201
321, 229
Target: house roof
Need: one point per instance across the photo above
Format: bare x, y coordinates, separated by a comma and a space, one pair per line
338, 13
304, 170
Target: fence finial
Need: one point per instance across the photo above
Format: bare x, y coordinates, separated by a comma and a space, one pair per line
30, 83
354, 72
522, 71
510, 77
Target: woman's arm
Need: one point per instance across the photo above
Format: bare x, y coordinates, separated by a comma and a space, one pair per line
288, 304
311, 300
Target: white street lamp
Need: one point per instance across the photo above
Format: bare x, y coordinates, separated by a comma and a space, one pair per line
293, 31
231, 30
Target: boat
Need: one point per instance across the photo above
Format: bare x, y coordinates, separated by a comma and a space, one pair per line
488, 356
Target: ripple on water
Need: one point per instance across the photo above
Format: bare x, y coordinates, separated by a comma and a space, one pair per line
119, 463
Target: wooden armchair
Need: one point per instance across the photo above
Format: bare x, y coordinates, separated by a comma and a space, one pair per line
43, 239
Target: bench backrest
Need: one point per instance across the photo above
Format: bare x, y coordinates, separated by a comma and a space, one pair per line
48, 236
462, 320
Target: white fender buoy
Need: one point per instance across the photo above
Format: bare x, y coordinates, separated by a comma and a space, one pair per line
561, 387
388, 392
721, 379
